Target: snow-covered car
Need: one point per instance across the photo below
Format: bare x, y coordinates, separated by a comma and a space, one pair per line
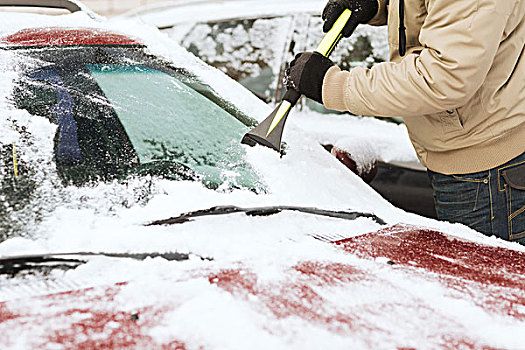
252, 41
133, 218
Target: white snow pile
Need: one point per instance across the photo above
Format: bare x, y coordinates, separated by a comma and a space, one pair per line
366, 139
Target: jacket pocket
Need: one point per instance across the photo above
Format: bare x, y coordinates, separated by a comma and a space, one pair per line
451, 124
514, 185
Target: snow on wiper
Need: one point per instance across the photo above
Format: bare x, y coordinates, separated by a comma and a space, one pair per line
11, 266
265, 211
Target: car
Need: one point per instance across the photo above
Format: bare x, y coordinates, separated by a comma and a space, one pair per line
93, 92
253, 41
138, 220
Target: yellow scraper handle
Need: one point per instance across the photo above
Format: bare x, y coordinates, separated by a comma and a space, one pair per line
331, 38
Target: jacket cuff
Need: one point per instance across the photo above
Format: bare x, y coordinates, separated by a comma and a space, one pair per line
334, 87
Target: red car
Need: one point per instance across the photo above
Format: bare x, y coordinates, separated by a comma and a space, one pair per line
132, 217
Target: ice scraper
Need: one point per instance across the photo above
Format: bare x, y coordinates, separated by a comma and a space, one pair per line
269, 132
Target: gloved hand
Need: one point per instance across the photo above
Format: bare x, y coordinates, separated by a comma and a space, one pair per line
362, 12
306, 74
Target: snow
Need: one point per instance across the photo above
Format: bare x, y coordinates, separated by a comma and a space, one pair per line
364, 138
389, 304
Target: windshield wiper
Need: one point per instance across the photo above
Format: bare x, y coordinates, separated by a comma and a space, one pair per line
265, 211
12, 265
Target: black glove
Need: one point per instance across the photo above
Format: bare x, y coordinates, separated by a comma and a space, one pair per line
306, 74
362, 12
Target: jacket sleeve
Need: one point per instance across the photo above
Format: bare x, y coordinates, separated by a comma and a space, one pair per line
459, 39
381, 17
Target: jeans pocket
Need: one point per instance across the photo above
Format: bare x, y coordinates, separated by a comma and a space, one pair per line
463, 198
514, 183
481, 177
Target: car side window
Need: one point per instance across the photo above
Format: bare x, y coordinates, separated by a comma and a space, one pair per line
248, 50
87, 144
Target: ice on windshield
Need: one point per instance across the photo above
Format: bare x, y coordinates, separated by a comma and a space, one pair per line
167, 120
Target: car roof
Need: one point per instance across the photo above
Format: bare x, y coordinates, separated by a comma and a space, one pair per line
58, 36
174, 12
23, 28
62, 4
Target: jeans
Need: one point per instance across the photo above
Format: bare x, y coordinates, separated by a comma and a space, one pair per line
491, 202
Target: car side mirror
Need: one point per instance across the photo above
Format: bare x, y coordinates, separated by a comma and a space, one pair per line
367, 174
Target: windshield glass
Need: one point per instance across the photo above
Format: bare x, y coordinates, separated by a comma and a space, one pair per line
166, 120
120, 111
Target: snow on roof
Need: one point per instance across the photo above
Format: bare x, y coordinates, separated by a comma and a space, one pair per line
14, 22
50, 36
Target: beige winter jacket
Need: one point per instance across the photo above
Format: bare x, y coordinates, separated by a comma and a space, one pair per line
460, 87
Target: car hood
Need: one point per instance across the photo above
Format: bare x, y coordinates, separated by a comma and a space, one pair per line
376, 289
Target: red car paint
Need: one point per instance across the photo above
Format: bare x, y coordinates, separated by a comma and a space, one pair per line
434, 251
491, 277
57, 36
344, 157
85, 319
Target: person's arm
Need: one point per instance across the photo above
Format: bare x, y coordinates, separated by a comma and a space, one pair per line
460, 40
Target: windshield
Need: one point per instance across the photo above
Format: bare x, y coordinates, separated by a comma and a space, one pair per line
120, 112
166, 120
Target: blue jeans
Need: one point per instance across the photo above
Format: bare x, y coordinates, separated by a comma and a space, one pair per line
491, 202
